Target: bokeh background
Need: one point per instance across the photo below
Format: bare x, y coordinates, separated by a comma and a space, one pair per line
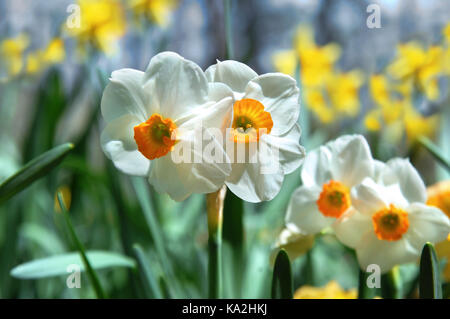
389, 83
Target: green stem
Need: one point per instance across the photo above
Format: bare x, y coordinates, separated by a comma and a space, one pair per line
214, 210
228, 30
92, 275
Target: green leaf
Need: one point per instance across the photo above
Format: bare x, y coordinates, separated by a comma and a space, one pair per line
57, 265
141, 188
33, 170
282, 277
364, 292
391, 284
434, 150
232, 245
147, 272
92, 275
429, 283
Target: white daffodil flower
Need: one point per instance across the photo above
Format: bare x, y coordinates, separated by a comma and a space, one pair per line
263, 140
149, 114
295, 244
328, 175
391, 223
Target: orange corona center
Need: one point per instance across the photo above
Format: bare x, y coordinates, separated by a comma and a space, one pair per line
390, 223
154, 136
250, 121
334, 199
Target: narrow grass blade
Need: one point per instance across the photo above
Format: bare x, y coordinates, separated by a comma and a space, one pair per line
143, 196
282, 277
57, 265
147, 272
429, 282
92, 275
434, 150
33, 170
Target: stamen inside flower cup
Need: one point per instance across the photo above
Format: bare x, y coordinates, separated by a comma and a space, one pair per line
250, 121
390, 223
154, 136
334, 199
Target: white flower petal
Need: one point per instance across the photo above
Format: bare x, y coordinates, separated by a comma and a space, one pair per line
124, 95
118, 143
179, 178
316, 168
252, 185
178, 85
401, 171
291, 154
351, 159
383, 253
426, 224
234, 74
280, 96
210, 116
369, 197
303, 215
378, 168
352, 227
219, 91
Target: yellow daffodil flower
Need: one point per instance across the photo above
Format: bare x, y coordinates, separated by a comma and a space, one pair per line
11, 52
394, 109
316, 102
332, 290
52, 54
416, 124
285, 61
439, 196
422, 66
446, 57
343, 90
338, 97
379, 88
158, 11
316, 62
102, 24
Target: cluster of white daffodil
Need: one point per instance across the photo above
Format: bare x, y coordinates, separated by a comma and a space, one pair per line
154, 116
376, 208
